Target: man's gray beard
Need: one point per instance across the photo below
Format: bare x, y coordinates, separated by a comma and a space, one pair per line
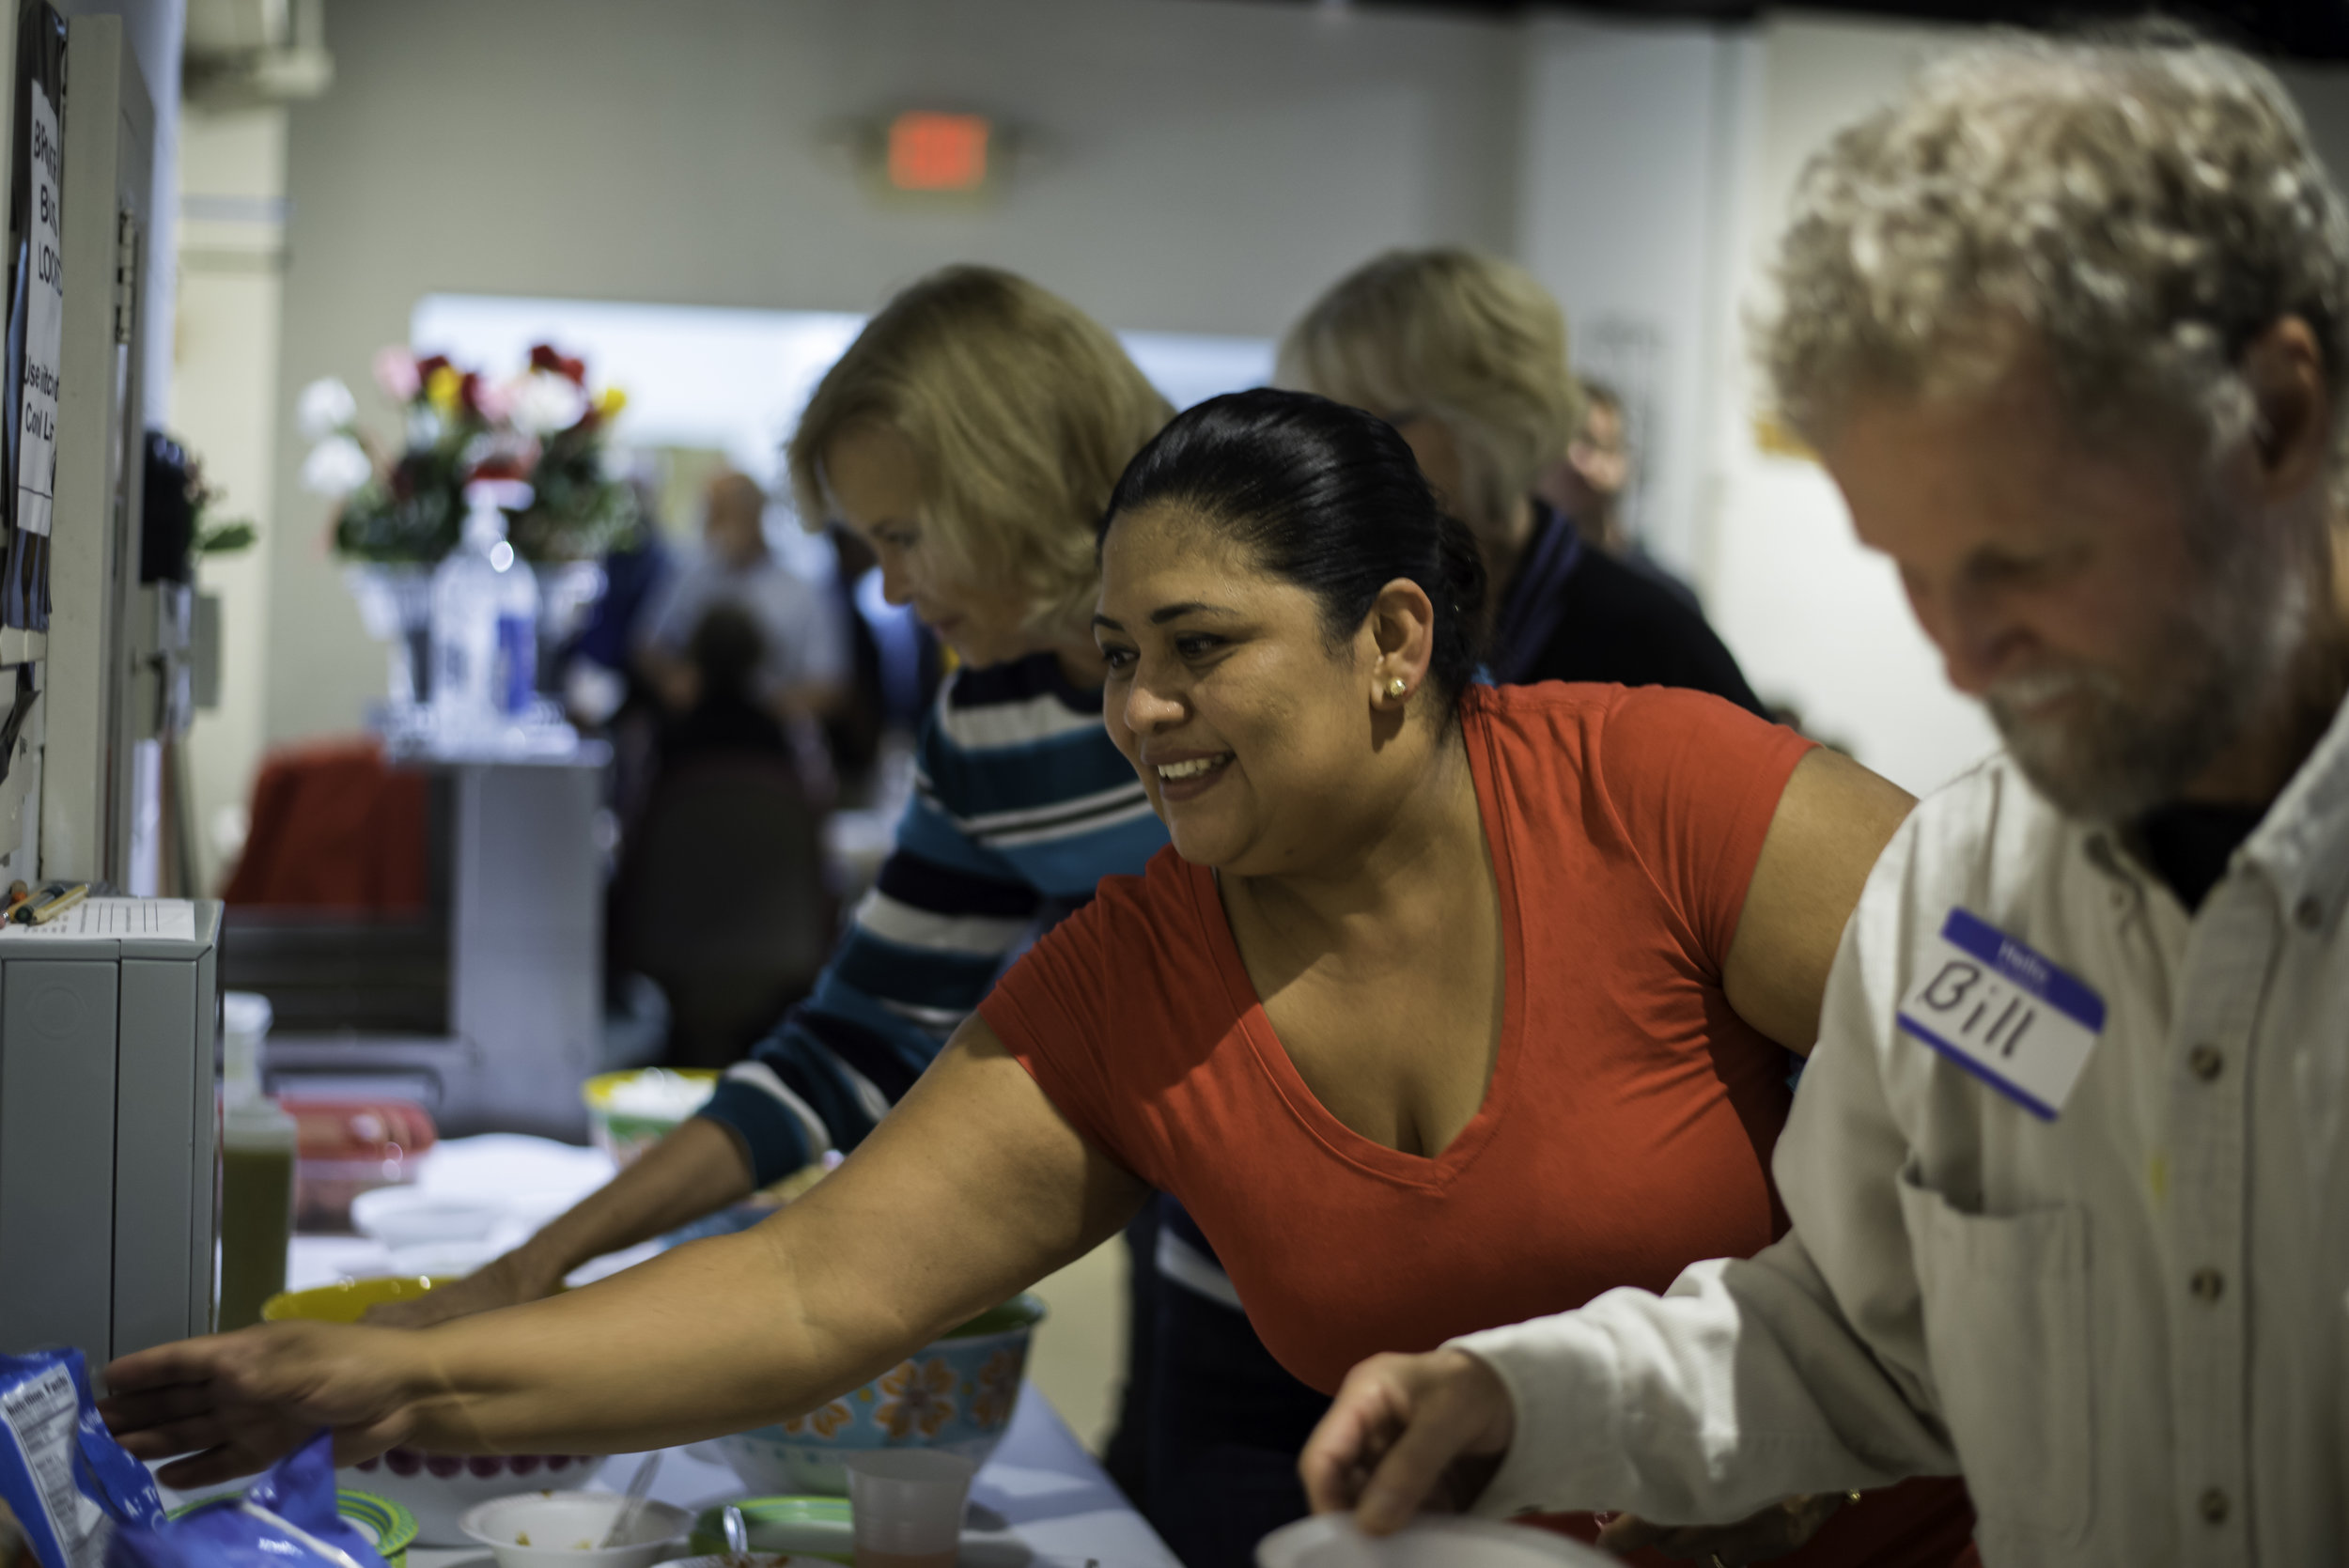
2135, 745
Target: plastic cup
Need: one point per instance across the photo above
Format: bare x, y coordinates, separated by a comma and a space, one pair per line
906, 1506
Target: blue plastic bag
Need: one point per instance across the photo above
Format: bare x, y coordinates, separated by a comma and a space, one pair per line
286, 1519
62, 1474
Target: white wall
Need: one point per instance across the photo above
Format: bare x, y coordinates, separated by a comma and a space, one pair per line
224, 405
1817, 621
1196, 165
1623, 204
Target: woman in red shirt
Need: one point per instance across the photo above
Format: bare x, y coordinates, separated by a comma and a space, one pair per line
1457, 1005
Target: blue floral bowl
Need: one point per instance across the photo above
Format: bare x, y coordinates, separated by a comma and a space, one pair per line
956, 1395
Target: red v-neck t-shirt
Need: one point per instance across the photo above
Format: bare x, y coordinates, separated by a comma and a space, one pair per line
1627, 1129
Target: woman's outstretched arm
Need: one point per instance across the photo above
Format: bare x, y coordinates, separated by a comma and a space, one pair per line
974, 1188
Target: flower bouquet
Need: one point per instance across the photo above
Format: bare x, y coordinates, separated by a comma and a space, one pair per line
407, 506
402, 509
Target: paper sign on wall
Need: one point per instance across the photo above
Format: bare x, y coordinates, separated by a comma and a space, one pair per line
35, 304
44, 326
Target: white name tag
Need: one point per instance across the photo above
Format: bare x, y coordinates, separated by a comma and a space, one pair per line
2003, 1011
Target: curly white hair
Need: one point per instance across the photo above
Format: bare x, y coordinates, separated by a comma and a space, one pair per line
2138, 206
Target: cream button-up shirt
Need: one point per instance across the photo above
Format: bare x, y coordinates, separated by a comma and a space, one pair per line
2128, 1325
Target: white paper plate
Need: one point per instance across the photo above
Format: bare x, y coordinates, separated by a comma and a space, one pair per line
1330, 1541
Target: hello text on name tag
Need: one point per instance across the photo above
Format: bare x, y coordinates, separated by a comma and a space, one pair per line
2005, 1012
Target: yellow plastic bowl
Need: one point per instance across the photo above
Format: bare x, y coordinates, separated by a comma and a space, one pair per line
620, 1134
435, 1489
344, 1301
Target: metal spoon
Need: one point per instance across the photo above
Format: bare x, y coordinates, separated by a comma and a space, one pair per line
638, 1484
738, 1534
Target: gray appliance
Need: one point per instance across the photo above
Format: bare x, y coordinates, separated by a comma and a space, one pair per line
108, 1135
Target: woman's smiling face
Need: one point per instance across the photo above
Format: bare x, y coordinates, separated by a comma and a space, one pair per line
1249, 729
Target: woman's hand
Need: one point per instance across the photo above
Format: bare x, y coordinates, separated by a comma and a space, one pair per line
1406, 1433
504, 1281
1773, 1532
236, 1403
695, 1171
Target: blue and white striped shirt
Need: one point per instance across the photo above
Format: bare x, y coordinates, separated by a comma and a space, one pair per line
1021, 806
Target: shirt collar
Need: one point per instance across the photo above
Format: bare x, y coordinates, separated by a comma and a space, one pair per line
2301, 845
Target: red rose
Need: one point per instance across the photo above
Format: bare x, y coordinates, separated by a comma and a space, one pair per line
543, 356
501, 465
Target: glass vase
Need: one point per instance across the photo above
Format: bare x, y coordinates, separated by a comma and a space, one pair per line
396, 606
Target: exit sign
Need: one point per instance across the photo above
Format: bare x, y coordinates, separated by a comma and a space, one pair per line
930, 151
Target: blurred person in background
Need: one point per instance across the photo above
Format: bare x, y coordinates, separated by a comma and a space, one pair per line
1592, 481
1465, 355
1588, 484
727, 652
2068, 325
803, 672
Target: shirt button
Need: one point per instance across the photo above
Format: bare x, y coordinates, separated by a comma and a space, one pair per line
2310, 912
2208, 1284
2205, 1060
2214, 1506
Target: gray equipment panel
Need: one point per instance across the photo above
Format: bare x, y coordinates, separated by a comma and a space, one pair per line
154, 1208
58, 1023
108, 1134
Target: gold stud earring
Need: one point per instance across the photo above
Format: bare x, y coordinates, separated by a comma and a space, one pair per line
1396, 687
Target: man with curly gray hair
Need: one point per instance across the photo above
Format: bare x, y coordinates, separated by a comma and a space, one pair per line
2069, 326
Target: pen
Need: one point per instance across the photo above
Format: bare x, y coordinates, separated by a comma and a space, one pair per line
23, 903
30, 915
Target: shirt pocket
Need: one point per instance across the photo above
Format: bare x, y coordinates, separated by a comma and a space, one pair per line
2006, 1319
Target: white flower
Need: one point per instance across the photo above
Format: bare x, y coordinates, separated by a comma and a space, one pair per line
335, 467
326, 407
543, 402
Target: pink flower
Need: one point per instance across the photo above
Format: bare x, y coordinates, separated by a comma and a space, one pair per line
494, 400
395, 372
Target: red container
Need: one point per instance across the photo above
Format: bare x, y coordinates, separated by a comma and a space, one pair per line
348, 1147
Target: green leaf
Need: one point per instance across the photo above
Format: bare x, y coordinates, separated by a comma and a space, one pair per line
228, 538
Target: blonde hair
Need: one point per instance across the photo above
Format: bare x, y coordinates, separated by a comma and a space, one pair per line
1022, 411
1463, 338
2137, 207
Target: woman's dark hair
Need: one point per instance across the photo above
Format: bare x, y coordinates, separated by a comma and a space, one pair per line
1326, 497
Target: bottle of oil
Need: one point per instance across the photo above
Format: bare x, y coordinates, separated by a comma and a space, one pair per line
257, 1142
